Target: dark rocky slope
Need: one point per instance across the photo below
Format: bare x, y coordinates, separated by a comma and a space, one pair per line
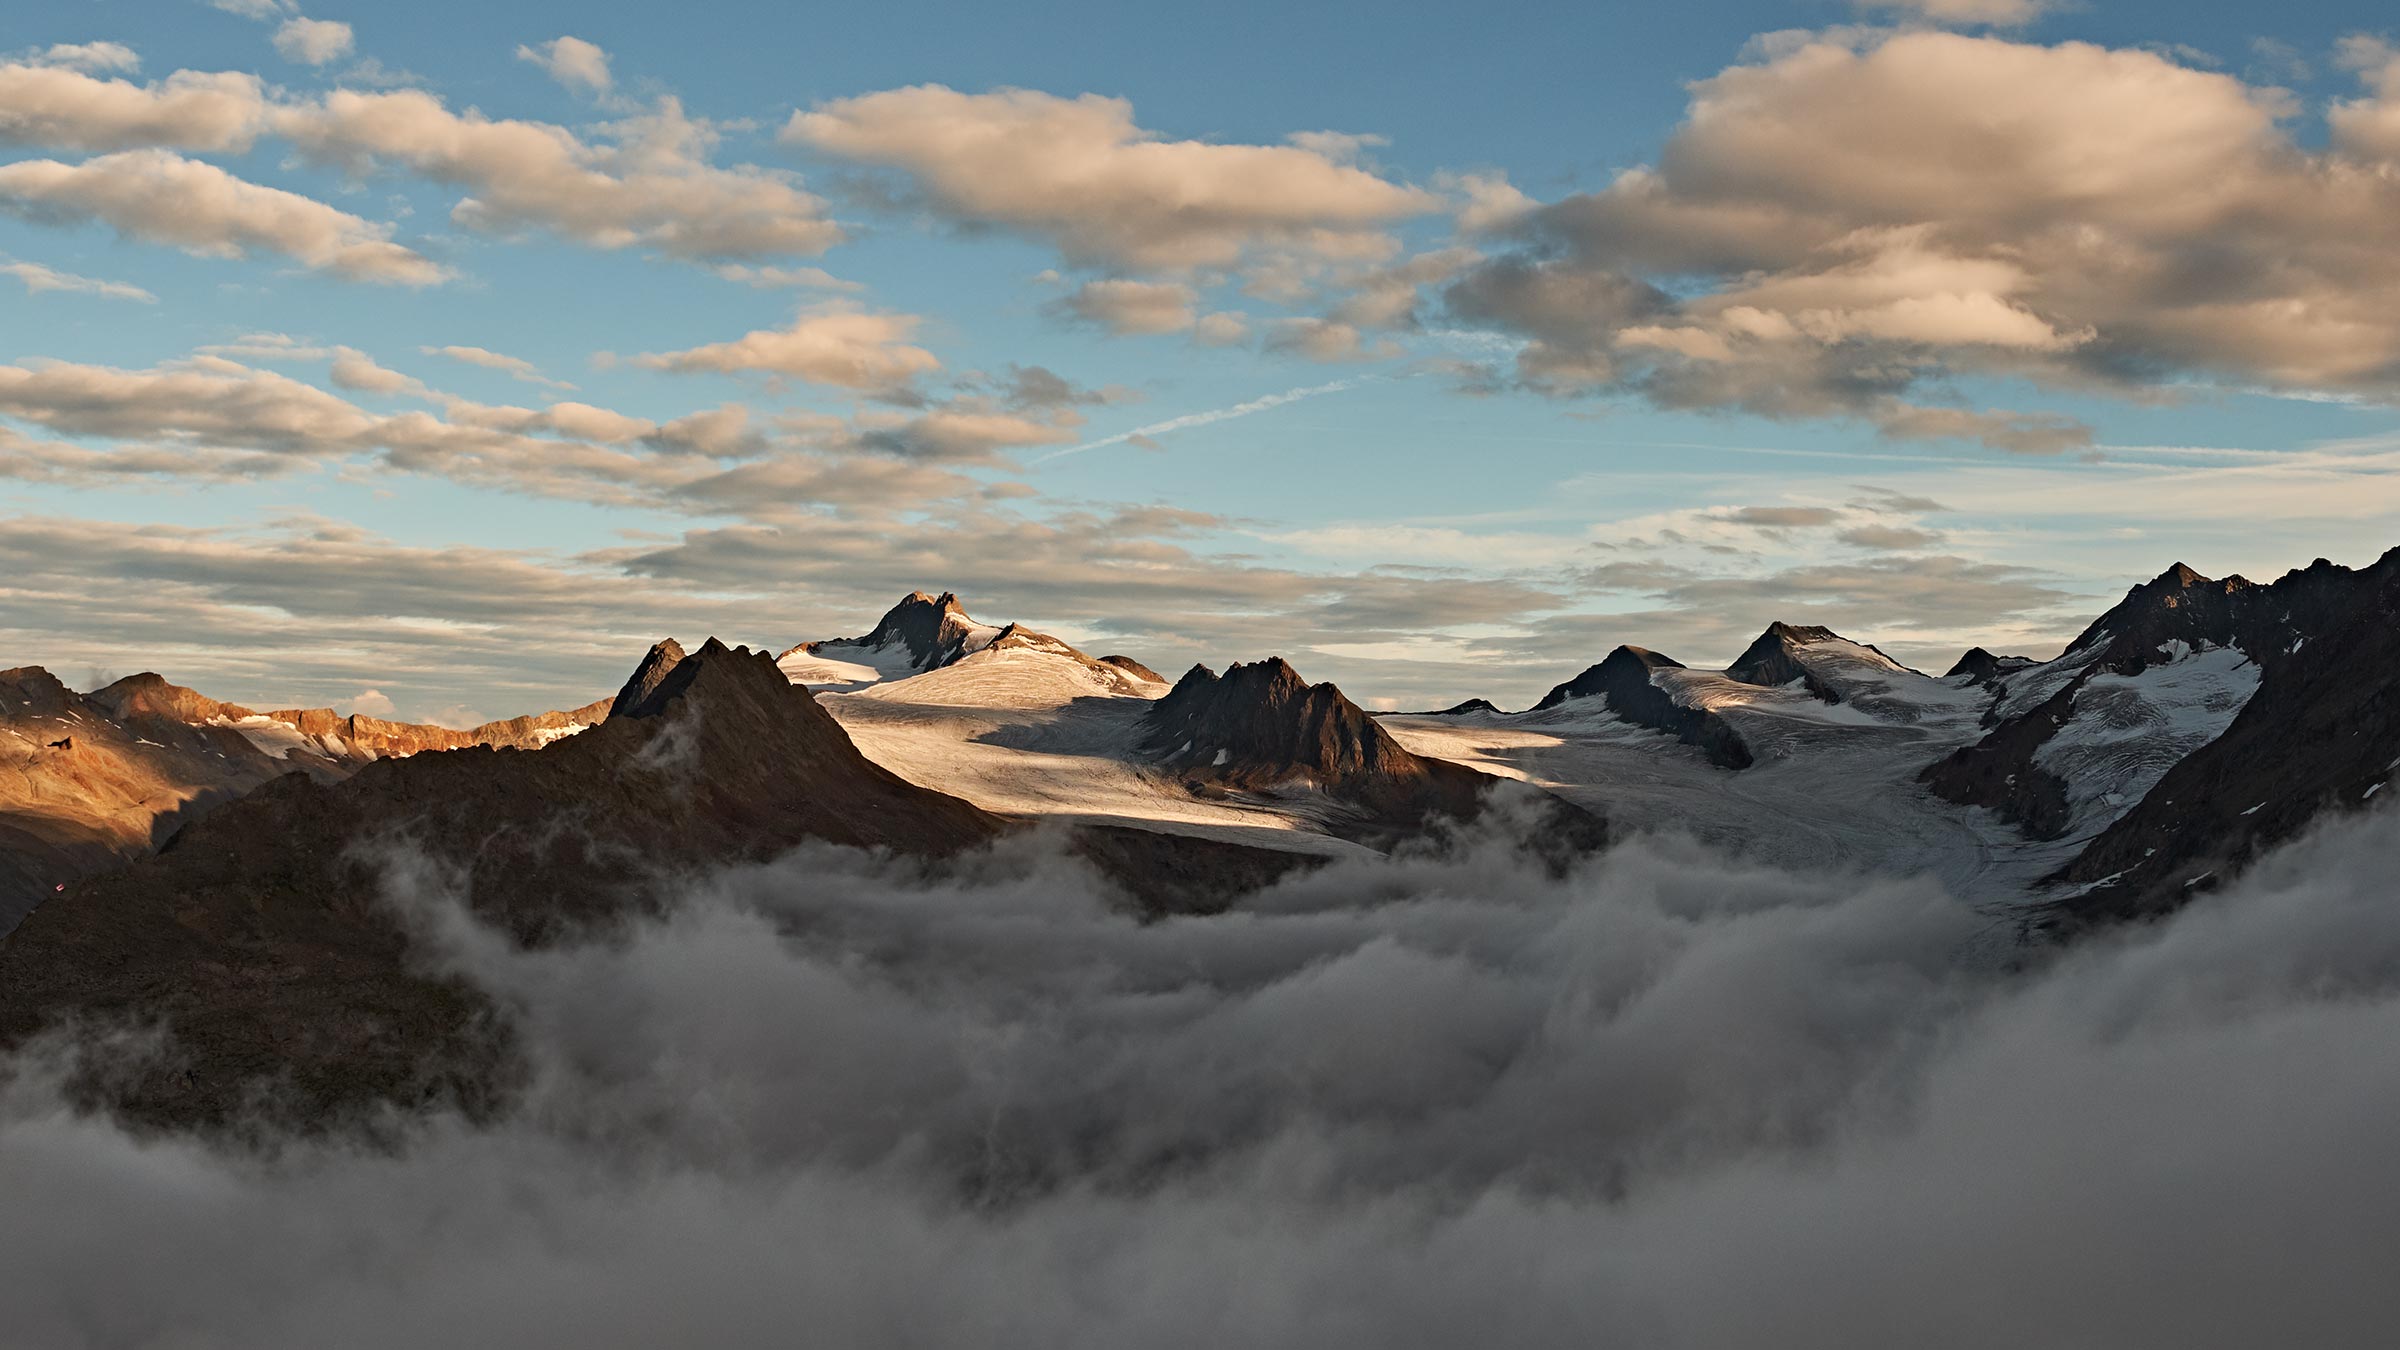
2321, 734
1624, 681
2140, 632
1259, 727
256, 940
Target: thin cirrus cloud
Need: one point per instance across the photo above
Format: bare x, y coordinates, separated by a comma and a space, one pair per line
88, 56
516, 367
1081, 174
38, 278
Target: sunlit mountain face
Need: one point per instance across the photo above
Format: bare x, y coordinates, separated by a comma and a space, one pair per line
1676, 677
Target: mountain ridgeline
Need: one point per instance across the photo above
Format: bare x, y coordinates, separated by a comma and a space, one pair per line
256, 888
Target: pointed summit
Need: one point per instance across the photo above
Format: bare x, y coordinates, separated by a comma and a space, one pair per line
663, 657
1810, 656
1260, 727
1626, 684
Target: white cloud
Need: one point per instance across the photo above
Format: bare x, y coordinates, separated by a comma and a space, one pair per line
88, 56
795, 278
38, 278
1849, 218
61, 108
1080, 173
260, 10
572, 62
847, 348
313, 42
514, 366
160, 197
648, 182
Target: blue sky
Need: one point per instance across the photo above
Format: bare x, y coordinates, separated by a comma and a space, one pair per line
1940, 321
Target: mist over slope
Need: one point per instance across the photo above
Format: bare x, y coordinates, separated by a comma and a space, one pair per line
1665, 1100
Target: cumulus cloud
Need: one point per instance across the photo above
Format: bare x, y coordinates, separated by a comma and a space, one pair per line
1855, 216
646, 182
1082, 175
1325, 340
38, 278
573, 62
516, 367
847, 348
59, 106
313, 42
1411, 1102
160, 197
1132, 307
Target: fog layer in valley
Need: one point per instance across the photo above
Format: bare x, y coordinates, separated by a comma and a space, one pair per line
1666, 1100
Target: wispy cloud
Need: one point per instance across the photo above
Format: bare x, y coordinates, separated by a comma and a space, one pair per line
38, 278
1200, 419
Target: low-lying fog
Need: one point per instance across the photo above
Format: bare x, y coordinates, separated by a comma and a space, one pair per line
1663, 1101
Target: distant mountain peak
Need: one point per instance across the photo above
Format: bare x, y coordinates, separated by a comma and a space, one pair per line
1624, 682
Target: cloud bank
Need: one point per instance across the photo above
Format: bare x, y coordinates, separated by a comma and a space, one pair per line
1667, 1101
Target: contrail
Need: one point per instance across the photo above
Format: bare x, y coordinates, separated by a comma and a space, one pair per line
1201, 419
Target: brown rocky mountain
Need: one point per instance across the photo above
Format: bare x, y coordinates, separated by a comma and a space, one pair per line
1260, 727
145, 756
256, 941
1623, 682
82, 790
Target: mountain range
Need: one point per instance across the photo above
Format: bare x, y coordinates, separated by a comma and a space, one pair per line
220, 874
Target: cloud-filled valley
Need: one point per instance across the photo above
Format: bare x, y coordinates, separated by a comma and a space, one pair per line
1663, 1100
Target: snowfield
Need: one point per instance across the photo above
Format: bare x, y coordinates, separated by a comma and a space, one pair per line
1041, 731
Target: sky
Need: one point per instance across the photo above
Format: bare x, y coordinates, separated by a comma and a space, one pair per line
432, 362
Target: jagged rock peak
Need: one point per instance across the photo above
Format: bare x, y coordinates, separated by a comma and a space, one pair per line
642, 686
1625, 662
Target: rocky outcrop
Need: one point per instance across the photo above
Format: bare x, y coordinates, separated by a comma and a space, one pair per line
259, 939
1625, 683
1259, 727
2159, 621
2321, 734
343, 738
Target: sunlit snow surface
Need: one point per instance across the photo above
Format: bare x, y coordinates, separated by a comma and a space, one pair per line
1030, 732
1040, 734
